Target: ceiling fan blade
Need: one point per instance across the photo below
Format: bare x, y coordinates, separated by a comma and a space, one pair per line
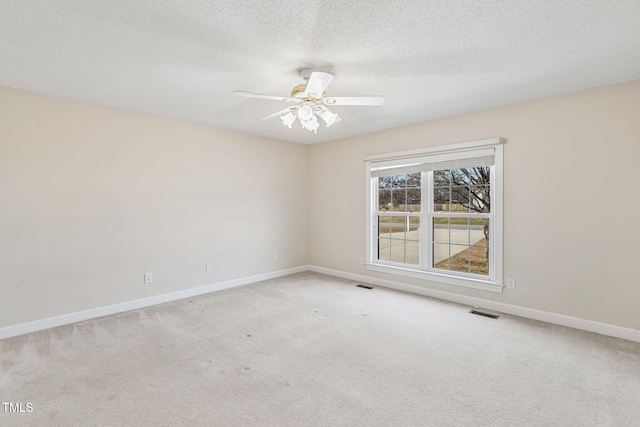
259, 95
354, 100
317, 84
279, 113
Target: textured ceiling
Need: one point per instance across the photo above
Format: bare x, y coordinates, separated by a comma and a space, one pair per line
182, 59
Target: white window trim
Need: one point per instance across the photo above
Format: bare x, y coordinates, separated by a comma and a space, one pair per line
495, 283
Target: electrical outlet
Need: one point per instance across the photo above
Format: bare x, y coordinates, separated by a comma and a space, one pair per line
275, 257
209, 268
148, 277
511, 284
361, 260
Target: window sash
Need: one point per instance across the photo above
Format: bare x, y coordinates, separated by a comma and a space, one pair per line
427, 216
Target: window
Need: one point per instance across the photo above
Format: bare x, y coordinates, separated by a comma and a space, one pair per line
436, 214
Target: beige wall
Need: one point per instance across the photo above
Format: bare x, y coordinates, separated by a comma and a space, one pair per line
571, 200
91, 198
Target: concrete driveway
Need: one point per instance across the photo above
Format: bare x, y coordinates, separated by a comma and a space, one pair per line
452, 241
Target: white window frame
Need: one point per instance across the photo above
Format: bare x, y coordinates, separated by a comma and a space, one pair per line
494, 282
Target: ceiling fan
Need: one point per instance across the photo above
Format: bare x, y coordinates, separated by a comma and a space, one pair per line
311, 100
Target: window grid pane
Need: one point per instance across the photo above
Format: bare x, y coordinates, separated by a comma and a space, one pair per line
400, 193
460, 244
399, 239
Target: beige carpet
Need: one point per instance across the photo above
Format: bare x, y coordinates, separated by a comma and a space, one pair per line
313, 350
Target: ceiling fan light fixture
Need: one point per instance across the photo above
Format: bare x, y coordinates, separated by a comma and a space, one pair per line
305, 111
288, 119
328, 116
311, 124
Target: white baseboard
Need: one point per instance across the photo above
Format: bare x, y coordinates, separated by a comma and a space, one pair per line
544, 316
65, 319
529, 313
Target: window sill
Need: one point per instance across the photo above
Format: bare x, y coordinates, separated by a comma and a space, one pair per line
484, 285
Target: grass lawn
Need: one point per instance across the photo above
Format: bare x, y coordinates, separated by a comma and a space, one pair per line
459, 221
460, 262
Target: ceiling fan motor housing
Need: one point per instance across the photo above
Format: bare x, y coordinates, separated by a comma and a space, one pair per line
298, 91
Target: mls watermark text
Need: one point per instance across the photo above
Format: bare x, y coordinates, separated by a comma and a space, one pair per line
17, 407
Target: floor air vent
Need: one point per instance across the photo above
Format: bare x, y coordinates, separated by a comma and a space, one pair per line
480, 313
364, 286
